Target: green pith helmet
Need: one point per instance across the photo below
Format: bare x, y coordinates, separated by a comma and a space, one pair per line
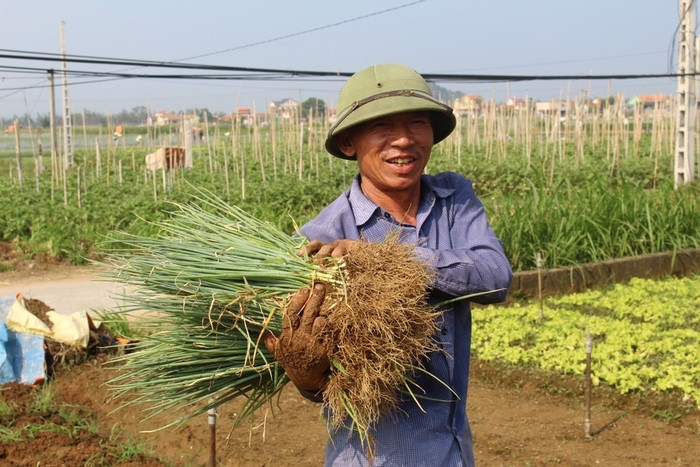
382, 90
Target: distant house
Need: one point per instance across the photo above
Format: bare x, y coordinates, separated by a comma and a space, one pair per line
468, 104
647, 100
552, 107
245, 115
515, 103
162, 118
285, 109
191, 118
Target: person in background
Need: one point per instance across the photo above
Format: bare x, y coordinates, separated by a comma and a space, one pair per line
388, 122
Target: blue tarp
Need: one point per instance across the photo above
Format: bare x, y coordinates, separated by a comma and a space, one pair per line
21, 354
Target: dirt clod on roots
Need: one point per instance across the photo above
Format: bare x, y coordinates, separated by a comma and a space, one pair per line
382, 326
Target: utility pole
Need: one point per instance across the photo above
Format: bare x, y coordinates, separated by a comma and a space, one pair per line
67, 120
687, 99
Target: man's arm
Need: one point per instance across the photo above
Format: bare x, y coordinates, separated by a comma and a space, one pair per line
476, 261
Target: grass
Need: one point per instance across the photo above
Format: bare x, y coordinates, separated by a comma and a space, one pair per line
7, 408
10, 435
43, 400
122, 448
40, 415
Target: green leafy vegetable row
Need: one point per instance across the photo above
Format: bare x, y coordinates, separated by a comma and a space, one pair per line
646, 335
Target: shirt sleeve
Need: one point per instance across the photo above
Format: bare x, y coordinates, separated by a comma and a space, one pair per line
474, 260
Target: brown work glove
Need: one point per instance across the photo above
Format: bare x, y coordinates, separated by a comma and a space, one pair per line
299, 349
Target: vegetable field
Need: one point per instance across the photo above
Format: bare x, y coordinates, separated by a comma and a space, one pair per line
646, 335
582, 188
592, 186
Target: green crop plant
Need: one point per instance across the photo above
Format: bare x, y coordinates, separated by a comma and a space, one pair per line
577, 197
646, 335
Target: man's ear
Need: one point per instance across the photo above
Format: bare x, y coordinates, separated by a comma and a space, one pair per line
344, 143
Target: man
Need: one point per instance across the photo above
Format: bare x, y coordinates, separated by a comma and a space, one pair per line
388, 122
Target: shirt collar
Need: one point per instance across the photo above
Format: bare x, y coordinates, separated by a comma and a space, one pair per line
363, 208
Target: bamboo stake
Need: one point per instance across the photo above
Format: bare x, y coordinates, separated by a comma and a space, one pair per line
80, 204
273, 143
234, 146
242, 156
579, 125
85, 140
301, 151
155, 189
98, 159
52, 125
64, 180
528, 130
226, 176
29, 121
38, 161
257, 147
558, 125
489, 127
18, 155
458, 143
209, 151
149, 127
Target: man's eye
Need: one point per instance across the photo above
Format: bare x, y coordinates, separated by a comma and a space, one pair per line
379, 126
420, 123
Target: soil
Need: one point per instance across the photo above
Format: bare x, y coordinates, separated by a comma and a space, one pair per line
518, 417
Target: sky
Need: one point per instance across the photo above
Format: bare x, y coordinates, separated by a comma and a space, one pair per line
504, 37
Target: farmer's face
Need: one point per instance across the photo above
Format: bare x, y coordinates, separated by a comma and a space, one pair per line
391, 151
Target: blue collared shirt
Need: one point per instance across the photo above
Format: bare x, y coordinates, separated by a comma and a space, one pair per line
452, 234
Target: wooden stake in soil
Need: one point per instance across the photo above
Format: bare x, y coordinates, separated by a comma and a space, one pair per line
80, 202
18, 154
38, 163
211, 417
589, 350
539, 284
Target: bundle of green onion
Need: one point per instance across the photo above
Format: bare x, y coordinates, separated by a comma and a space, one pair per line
205, 289
215, 279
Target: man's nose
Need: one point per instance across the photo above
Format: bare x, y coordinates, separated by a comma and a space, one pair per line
402, 134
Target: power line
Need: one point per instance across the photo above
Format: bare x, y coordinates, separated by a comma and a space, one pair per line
51, 57
264, 74
307, 31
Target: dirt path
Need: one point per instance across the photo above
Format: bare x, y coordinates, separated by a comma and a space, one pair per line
66, 289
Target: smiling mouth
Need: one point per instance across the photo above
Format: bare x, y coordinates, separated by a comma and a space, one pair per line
401, 161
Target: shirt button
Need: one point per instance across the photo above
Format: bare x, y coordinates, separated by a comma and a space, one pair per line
444, 331
387, 215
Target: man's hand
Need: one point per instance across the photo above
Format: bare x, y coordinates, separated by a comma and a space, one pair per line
336, 249
299, 349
